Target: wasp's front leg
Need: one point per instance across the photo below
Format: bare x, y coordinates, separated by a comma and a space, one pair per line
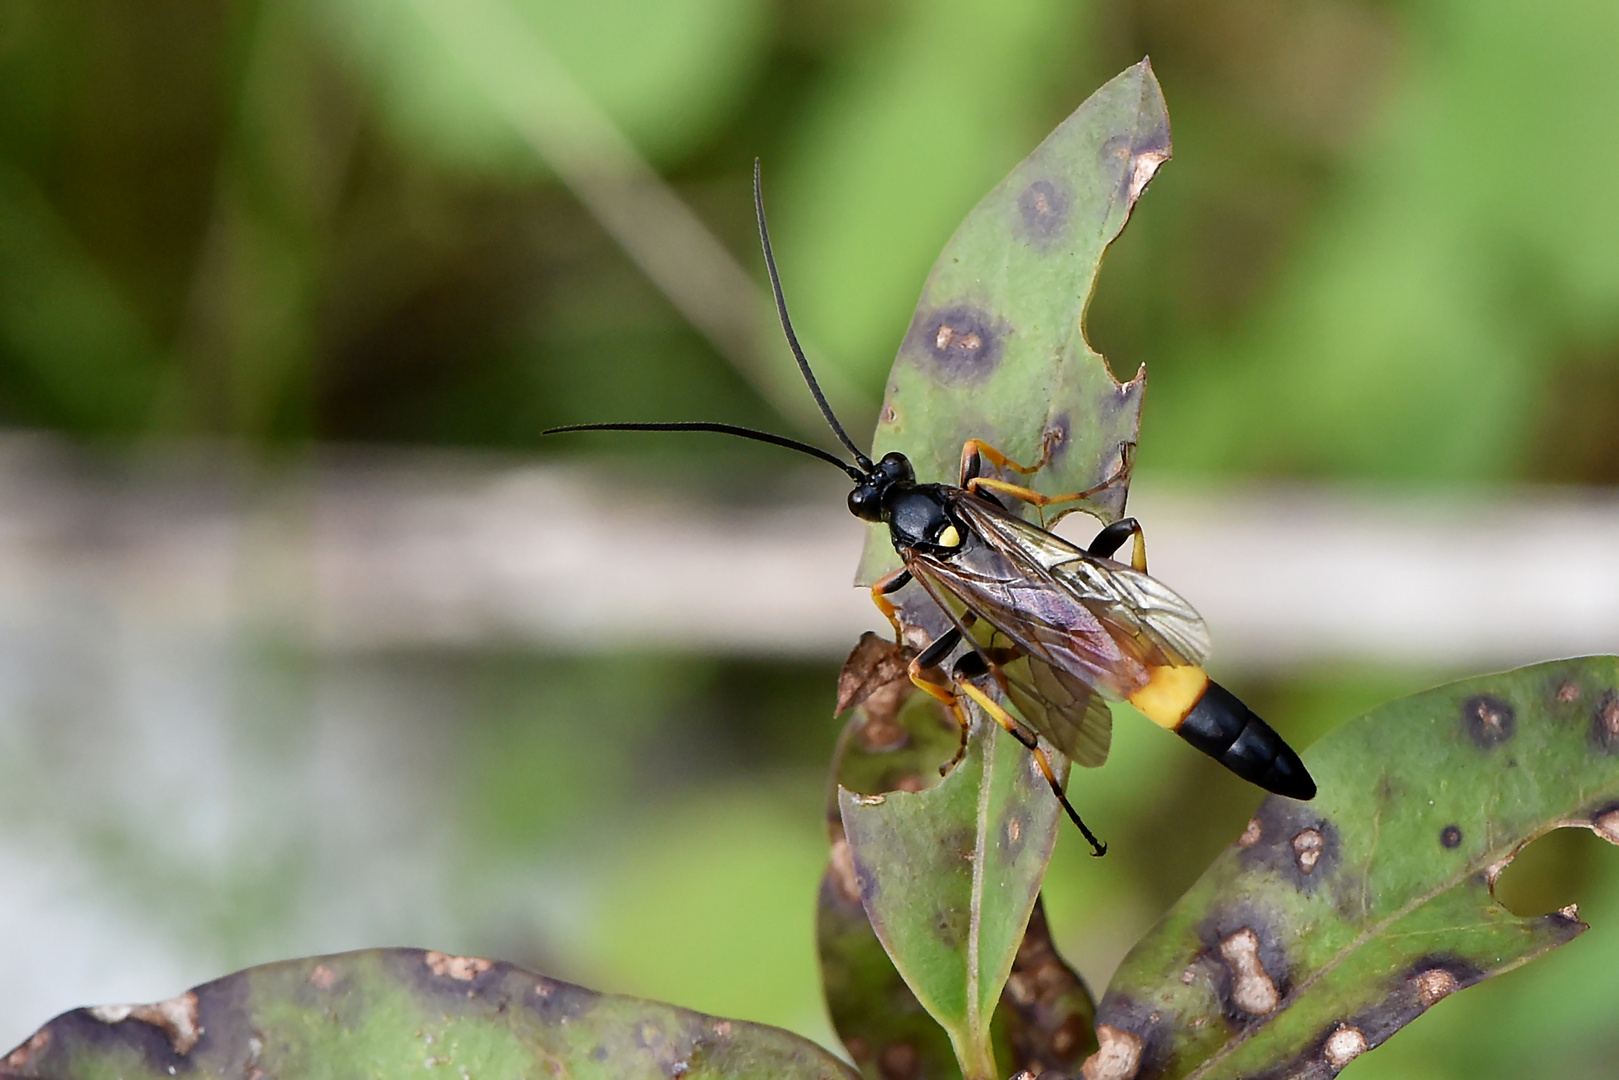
881, 590
927, 661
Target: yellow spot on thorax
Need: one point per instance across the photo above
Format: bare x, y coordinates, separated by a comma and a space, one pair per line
949, 537
1170, 694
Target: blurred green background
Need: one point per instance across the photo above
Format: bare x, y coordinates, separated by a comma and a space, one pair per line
1385, 252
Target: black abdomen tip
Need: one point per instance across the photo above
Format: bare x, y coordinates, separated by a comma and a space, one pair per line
1224, 728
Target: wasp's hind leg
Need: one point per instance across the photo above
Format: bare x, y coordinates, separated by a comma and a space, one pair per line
1017, 731
1113, 537
974, 453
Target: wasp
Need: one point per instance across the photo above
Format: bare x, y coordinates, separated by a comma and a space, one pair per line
1056, 629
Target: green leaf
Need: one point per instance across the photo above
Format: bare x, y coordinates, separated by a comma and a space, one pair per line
405, 1012
895, 739
1330, 925
948, 877
996, 350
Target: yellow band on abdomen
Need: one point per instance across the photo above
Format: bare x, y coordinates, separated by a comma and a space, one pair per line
1170, 694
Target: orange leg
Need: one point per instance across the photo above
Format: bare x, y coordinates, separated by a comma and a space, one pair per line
917, 672
974, 449
1015, 729
891, 583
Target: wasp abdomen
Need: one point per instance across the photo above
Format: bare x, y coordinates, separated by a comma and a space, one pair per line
1210, 717
1224, 728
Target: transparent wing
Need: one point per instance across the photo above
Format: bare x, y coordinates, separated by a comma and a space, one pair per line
1146, 617
1062, 659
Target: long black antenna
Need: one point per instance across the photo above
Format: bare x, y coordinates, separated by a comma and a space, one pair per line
724, 429
787, 326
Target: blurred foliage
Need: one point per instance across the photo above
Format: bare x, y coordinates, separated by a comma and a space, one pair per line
1387, 230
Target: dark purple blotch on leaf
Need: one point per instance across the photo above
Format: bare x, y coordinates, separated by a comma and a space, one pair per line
1605, 723
1295, 842
1488, 720
960, 343
1043, 208
1146, 1022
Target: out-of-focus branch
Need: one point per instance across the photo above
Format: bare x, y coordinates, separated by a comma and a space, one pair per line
536, 93
413, 551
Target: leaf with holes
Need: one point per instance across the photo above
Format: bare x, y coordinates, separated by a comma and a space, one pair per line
948, 877
1330, 925
405, 1012
894, 740
996, 350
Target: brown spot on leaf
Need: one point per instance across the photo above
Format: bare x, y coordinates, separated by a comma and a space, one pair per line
1568, 693
888, 416
1307, 847
1013, 830
36, 1044
177, 1018
1343, 1046
1142, 169
1117, 1058
1605, 823
1433, 985
1250, 834
898, 1061
462, 968
1605, 722
1450, 836
1252, 989
1488, 720
322, 977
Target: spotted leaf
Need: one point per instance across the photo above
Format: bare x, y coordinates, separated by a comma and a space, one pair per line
996, 349
1330, 925
894, 740
948, 877
405, 1012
